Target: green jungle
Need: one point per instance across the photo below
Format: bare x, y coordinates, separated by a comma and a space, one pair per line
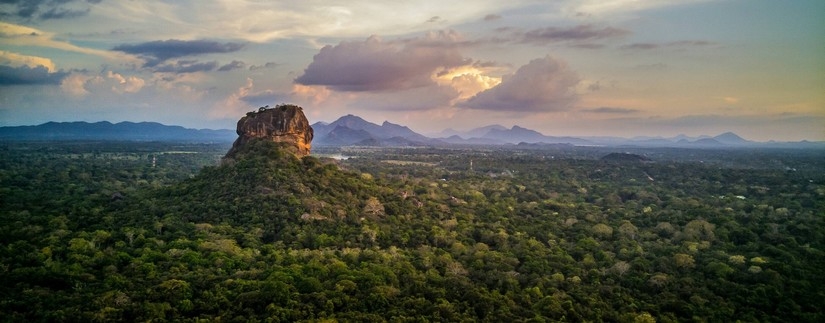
154, 232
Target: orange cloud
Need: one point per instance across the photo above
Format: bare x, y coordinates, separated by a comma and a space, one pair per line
17, 60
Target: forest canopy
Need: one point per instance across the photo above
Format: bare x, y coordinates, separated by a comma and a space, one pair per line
163, 232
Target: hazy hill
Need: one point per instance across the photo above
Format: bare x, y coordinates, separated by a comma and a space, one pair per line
342, 136
518, 134
104, 130
354, 130
730, 138
351, 130
472, 133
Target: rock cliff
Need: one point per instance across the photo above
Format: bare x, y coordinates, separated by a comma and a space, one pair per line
285, 124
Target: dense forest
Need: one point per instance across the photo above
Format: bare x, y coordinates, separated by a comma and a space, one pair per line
94, 231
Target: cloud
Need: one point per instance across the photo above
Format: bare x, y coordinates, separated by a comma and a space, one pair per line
62, 13
588, 46
267, 65
80, 84
46, 9
75, 85
156, 52
485, 64
312, 94
641, 46
130, 84
730, 100
675, 44
17, 60
651, 67
577, 33
265, 21
376, 65
417, 99
544, 84
691, 43
187, 66
594, 86
25, 75
611, 110
18, 35
616, 7
263, 98
232, 66
469, 80
492, 17
234, 104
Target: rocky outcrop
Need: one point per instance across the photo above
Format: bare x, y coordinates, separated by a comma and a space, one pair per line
285, 124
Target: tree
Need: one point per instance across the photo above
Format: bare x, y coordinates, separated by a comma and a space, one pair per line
629, 230
602, 230
683, 260
373, 207
620, 268
697, 230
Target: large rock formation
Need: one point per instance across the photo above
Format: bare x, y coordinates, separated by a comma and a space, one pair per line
283, 124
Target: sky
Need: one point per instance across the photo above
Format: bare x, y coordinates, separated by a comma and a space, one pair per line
565, 68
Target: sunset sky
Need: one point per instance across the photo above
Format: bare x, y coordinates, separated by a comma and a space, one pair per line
565, 68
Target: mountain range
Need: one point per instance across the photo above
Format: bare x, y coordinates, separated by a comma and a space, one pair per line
351, 130
104, 130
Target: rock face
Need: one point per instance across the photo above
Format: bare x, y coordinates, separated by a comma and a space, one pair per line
282, 124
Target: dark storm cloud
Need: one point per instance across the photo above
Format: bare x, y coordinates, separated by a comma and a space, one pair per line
44, 9
611, 110
232, 66
544, 84
576, 33
156, 52
186, 66
25, 75
375, 65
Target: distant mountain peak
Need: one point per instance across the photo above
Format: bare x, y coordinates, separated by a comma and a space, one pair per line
730, 138
362, 132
